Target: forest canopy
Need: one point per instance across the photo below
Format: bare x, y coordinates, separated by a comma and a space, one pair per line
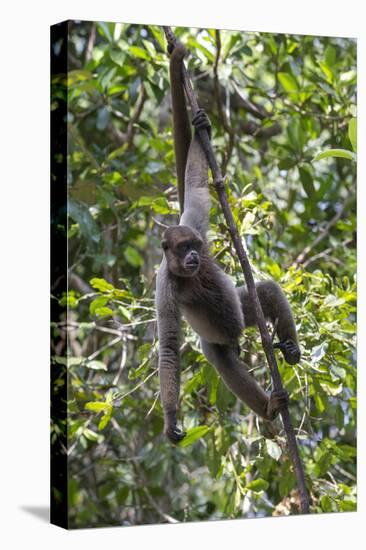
283, 115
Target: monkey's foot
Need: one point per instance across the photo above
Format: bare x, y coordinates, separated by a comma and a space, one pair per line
290, 350
201, 121
174, 434
277, 400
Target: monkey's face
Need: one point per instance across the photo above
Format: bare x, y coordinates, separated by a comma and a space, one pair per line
182, 248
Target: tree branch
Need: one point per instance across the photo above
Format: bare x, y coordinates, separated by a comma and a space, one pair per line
244, 262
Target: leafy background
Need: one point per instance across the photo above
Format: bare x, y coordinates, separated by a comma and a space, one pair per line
283, 113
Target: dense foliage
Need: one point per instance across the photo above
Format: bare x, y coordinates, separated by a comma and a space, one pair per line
283, 114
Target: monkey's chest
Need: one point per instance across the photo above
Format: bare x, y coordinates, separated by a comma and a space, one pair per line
207, 326
217, 322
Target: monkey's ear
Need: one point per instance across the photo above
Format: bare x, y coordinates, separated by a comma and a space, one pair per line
164, 244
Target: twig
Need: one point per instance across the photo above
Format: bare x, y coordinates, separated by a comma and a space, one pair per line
91, 42
103, 348
122, 362
120, 397
136, 115
244, 262
301, 257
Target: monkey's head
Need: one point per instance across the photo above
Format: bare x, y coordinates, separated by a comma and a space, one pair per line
182, 248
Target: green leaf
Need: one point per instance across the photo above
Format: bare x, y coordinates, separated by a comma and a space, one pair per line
68, 361
246, 226
348, 506
103, 311
326, 503
273, 449
150, 48
258, 485
306, 177
213, 458
97, 303
193, 435
319, 402
352, 133
97, 406
101, 284
194, 383
104, 420
90, 434
330, 55
327, 71
296, 134
133, 257
77, 76
96, 365
318, 352
104, 30
139, 52
158, 35
287, 482
117, 57
340, 153
288, 82
81, 214
143, 351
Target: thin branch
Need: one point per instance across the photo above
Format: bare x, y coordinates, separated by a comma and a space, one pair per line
120, 397
103, 348
122, 362
244, 262
136, 115
323, 234
91, 42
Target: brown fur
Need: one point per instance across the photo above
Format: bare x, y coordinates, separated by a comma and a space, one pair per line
189, 282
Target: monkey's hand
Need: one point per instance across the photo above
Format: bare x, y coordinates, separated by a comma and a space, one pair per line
290, 350
171, 431
277, 400
201, 121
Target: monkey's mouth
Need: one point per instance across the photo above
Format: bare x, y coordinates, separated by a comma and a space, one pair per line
192, 265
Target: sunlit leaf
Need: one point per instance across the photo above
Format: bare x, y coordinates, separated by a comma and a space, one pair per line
193, 435
288, 82
96, 365
340, 153
258, 485
352, 133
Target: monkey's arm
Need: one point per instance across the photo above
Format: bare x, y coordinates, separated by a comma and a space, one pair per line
197, 197
275, 306
181, 123
168, 317
233, 372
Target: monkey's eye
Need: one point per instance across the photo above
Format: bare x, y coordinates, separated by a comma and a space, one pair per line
184, 248
164, 244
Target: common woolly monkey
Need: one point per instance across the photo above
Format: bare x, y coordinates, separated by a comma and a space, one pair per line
191, 284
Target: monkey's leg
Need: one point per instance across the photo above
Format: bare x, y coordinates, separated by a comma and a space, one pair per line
275, 306
241, 383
